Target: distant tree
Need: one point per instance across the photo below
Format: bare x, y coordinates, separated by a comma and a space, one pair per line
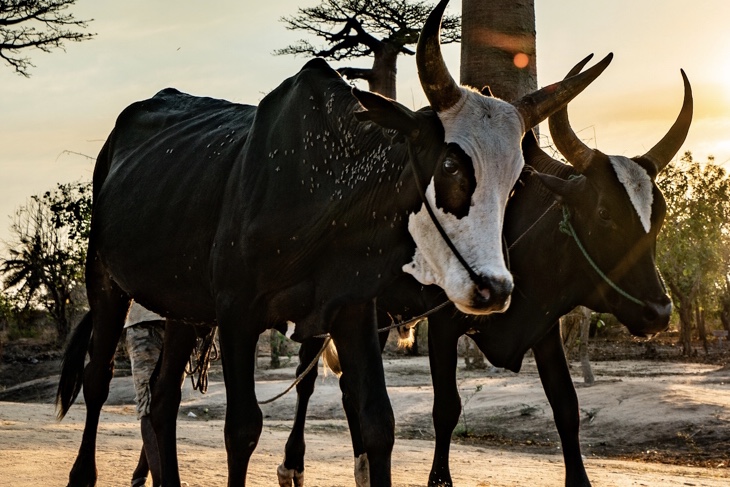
692, 246
36, 24
725, 303
46, 259
723, 286
360, 28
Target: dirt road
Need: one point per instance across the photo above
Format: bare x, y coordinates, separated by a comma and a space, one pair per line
633, 404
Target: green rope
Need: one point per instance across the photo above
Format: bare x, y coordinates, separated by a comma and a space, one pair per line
567, 229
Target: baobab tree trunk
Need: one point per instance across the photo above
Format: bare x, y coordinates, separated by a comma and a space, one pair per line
498, 50
384, 71
381, 77
498, 46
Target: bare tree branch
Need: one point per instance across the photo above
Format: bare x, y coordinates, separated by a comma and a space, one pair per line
359, 28
36, 24
375, 22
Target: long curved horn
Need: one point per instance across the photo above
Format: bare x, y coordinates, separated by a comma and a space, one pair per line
575, 151
665, 149
579, 67
440, 88
537, 106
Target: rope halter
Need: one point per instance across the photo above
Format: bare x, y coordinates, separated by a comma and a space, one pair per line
567, 228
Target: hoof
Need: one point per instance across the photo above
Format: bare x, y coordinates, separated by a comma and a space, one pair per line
443, 480
86, 479
289, 477
362, 471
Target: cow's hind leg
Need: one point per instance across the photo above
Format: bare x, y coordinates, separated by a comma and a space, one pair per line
442, 356
363, 387
139, 476
558, 385
291, 471
109, 305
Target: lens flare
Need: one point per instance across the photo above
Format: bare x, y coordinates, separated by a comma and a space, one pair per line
521, 60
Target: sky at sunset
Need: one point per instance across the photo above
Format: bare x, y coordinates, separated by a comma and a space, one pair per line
223, 49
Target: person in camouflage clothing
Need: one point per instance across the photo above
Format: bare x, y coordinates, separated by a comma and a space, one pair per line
144, 336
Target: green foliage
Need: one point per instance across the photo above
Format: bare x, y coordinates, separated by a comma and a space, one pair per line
693, 249
18, 330
46, 258
464, 431
528, 410
8, 310
279, 348
692, 240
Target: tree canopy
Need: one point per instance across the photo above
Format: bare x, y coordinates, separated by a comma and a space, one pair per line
360, 28
36, 24
46, 259
693, 249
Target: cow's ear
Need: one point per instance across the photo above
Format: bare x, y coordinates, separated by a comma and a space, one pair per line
564, 190
387, 113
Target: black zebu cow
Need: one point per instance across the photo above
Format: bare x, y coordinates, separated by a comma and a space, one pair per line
210, 212
616, 211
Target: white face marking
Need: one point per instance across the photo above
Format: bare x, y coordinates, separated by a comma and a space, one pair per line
638, 185
489, 131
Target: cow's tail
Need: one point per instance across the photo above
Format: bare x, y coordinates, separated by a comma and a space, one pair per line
406, 335
72, 368
331, 359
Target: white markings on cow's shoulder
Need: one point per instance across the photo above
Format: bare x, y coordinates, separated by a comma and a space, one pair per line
638, 185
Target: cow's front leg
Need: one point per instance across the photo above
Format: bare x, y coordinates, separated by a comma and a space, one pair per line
178, 344
558, 385
244, 420
442, 355
363, 386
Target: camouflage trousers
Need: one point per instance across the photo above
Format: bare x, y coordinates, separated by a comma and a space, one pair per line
144, 345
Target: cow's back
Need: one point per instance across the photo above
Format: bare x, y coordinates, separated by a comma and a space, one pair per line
158, 189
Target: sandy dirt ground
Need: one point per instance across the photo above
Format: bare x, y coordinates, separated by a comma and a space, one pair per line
645, 411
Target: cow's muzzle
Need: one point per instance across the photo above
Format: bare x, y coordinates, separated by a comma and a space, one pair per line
654, 318
491, 295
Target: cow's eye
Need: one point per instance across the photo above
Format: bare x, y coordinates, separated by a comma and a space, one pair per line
603, 213
450, 166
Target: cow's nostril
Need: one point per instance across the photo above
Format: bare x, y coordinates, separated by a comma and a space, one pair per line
650, 313
485, 293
